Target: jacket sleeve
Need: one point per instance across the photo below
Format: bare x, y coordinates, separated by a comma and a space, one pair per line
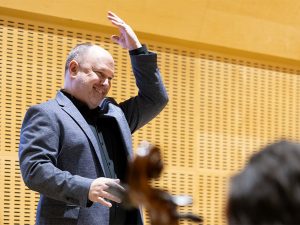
152, 96
38, 152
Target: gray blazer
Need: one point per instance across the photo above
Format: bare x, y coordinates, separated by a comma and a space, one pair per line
57, 150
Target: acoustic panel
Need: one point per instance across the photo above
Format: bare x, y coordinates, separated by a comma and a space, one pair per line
222, 108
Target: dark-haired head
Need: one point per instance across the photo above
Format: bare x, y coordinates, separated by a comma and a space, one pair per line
267, 190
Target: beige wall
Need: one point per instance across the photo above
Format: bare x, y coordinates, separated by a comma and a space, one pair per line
268, 27
223, 106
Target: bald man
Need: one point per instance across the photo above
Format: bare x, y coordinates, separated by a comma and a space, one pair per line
75, 147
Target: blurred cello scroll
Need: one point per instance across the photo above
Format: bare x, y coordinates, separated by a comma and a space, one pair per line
161, 205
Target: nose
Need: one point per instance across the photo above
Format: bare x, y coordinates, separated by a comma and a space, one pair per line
105, 82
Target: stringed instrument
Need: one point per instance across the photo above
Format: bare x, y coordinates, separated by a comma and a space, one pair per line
162, 206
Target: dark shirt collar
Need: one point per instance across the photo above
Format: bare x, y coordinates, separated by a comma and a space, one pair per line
82, 107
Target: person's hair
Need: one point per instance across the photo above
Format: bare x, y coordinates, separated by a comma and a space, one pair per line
77, 51
267, 190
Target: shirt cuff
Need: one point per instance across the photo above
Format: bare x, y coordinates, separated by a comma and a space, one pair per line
139, 51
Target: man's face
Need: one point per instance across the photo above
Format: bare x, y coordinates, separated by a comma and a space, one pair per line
91, 79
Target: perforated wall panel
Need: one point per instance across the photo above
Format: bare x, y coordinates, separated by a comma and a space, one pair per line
222, 108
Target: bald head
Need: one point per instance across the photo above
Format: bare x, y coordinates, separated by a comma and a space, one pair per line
79, 51
88, 75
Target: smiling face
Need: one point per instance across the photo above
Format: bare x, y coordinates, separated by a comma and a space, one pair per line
90, 76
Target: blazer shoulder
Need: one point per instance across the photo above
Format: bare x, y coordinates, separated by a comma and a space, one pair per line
49, 107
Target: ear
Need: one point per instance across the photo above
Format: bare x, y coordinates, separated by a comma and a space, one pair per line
73, 68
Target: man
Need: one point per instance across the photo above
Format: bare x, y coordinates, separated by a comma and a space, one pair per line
75, 147
267, 190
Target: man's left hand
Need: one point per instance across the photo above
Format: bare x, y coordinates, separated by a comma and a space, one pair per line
127, 38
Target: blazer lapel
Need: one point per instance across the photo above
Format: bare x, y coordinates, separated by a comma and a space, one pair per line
117, 113
73, 112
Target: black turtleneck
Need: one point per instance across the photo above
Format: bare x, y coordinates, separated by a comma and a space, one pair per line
113, 154
108, 136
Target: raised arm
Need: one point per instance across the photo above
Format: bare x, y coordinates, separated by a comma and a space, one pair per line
152, 96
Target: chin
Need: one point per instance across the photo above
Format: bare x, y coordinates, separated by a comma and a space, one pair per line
92, 105
95, 105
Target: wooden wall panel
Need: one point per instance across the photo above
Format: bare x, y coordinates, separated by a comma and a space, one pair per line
222, 108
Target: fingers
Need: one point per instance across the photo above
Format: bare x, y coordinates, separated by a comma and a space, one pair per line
115, 38
103, 202
127, 38
115, 185
111, 197
99, 191
113, 17
116, 20
116, 190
